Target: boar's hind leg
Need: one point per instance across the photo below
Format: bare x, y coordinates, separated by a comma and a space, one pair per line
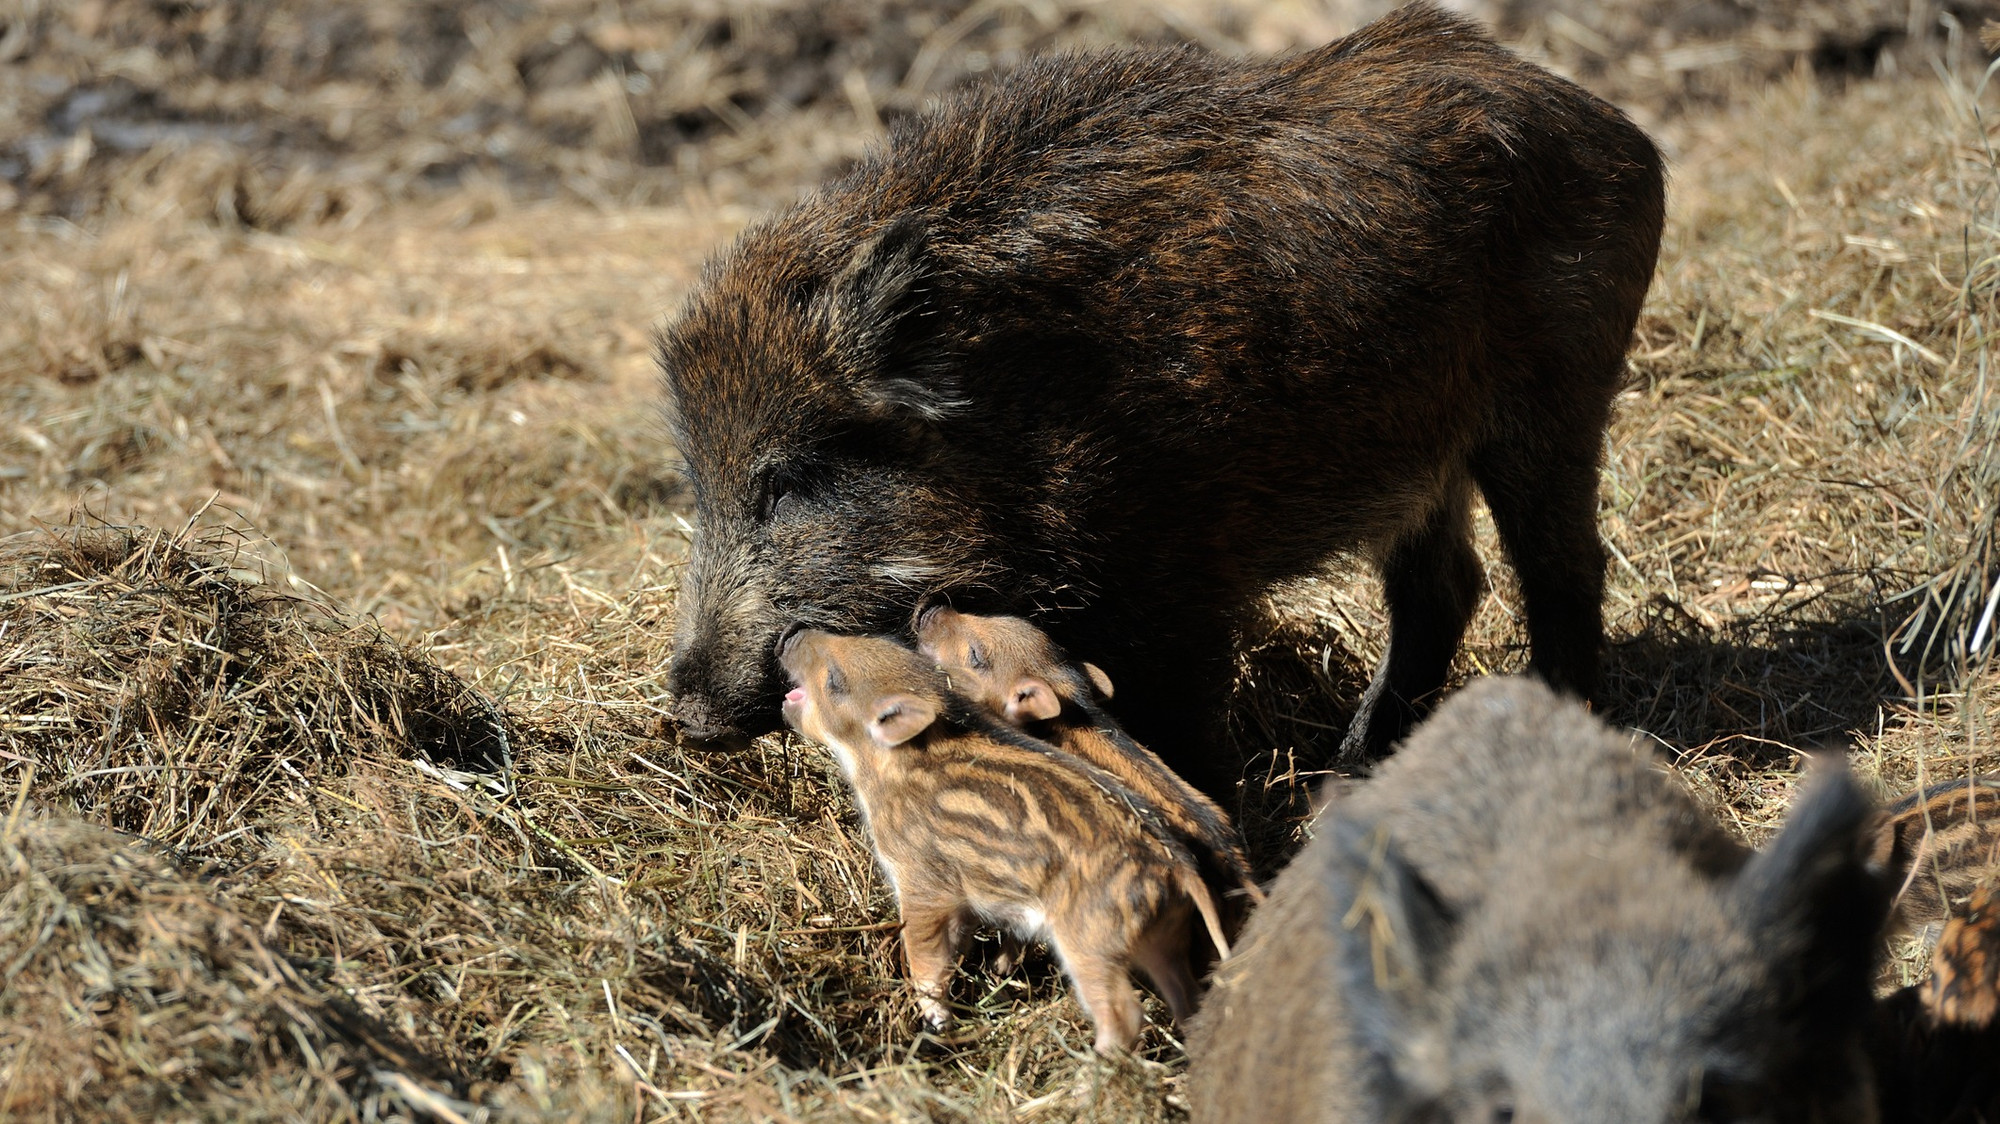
1544, 504
1431, 580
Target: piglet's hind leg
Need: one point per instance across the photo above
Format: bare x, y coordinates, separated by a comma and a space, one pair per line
1165, 955
1104, 987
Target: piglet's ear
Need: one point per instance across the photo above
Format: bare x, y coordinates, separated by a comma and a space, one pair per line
1032, 699
899, 718
1098, 679
882, 320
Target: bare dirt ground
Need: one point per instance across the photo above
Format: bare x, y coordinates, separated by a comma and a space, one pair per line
337, 776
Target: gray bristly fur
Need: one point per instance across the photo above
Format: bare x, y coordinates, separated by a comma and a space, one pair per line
1522, 918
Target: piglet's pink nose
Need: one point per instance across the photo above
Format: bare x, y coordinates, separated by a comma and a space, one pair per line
796, 694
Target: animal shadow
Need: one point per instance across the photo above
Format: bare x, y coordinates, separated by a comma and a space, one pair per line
1752, 690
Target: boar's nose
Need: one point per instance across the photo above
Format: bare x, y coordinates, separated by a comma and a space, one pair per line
699, 722
705, 732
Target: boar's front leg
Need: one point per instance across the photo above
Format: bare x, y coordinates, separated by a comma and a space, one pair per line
1544, 503
1431, 580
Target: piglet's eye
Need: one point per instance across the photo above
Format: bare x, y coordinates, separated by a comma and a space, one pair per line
835, 685
975, 658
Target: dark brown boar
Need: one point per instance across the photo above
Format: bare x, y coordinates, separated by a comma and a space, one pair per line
1017, 672
1122, 340
974, 822
1520, 917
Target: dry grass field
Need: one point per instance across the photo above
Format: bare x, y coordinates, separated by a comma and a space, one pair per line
339, 537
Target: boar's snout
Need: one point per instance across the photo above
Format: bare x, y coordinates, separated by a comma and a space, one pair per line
698, 723
697, 718
724, 675
709, 711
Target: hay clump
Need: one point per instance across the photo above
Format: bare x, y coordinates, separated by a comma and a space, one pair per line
1951, 626
130, 989
159, 684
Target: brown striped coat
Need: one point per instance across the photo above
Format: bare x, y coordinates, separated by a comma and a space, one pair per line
976, 823
1018, 673
1946, 838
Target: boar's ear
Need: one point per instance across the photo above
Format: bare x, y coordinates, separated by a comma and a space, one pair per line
1390, 945
1098, 679
1032, 699
1816, 902
899, 718
880, 314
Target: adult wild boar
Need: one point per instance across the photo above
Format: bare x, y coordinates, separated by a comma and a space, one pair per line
1123, 339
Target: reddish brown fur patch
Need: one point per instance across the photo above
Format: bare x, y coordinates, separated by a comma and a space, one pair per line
1965, 968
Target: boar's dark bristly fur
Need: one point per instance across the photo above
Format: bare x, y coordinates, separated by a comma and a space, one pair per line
1521, 918
1124, 339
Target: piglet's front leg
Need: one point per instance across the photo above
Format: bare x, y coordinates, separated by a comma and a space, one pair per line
932, 935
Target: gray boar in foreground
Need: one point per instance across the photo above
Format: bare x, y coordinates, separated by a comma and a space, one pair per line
1124, 339
1521, 919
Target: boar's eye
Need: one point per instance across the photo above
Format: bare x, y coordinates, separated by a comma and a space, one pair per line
776, 487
